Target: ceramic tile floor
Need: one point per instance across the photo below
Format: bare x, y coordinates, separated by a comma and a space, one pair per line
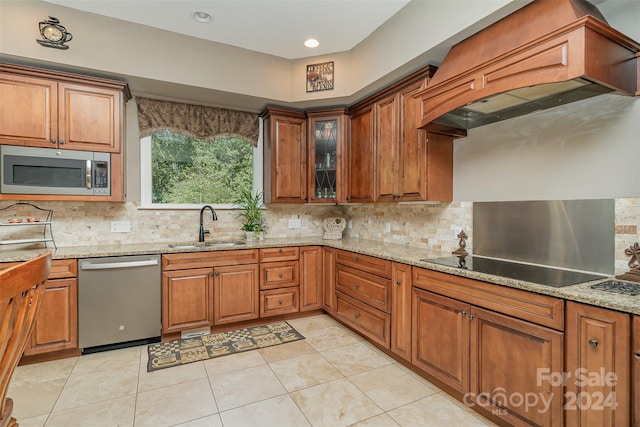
333, 378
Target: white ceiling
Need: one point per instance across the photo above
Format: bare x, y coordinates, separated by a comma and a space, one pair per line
275, 27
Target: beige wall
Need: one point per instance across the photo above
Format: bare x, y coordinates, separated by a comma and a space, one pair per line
162, 58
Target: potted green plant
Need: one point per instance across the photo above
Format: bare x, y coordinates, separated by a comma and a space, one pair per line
254, 224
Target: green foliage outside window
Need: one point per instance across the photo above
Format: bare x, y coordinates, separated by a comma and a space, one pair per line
188, 170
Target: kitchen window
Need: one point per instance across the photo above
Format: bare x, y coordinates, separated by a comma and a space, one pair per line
182, 172
192, 155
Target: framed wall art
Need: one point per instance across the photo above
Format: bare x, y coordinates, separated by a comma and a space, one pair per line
320, 77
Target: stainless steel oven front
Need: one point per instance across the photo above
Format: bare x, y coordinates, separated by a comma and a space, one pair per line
28, 170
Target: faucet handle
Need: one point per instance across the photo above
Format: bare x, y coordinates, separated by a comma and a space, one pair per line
206, 232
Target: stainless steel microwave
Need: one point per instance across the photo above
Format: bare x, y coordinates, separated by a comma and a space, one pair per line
28, 170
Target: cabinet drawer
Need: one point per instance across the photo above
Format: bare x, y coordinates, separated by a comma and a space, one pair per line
541, 309
366, 263
60, 268
368, 288
278, 274
365, 319
63, 268
279, 301
279, 254
208, 259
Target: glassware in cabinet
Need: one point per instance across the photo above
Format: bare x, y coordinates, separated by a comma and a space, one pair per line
325, 166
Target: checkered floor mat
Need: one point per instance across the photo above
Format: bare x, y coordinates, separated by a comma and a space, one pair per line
182, 351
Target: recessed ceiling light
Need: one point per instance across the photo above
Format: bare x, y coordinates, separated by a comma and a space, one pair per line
202, 17
311, 43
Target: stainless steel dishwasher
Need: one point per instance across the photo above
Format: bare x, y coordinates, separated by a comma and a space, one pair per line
119, 301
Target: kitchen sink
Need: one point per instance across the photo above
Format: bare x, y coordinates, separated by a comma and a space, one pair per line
194, 245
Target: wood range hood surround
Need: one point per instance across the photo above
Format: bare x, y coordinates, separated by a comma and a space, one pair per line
548, 53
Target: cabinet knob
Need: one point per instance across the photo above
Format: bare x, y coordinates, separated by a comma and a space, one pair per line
280, 275
593, 343
357, 256
280, 302
53, 141
217, 274
472, 316
398, 282
357, 286
280, 250
463, 312
357, 315
61, 141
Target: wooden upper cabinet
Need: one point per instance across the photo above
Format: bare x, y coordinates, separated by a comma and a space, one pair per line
89, 118
28, 111
285, 156
42, 108
326, 156
387, 156
361, 167
391, 159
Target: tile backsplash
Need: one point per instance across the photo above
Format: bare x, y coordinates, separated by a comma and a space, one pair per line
429, 226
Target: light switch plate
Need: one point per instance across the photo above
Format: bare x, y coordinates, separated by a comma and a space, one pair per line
295, 223
387, 227
120, 226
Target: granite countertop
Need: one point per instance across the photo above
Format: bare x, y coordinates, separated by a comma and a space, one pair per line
393, 252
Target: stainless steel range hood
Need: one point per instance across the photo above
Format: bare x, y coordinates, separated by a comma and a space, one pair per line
549, 53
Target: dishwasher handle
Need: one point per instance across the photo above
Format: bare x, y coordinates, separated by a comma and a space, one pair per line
111, 265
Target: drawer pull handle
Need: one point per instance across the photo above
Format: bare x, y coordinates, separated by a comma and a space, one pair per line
357, 316
464, 313
593, 343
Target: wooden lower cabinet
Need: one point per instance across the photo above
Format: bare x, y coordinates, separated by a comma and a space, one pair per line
509, 358
311, 278
279, 301
369, 321
56, 325
236, 293
401, 310
441, 338
636, 371
598, 351
187, 299
493, 359
329, 301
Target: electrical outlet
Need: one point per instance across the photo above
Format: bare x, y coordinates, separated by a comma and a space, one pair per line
295, 223
350, 223
120, 226
387, 227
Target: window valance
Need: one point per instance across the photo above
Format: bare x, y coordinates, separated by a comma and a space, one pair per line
198, 121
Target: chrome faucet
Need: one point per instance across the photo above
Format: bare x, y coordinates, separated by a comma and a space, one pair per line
202, 230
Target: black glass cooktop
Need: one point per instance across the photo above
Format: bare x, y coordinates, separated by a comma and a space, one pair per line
547, 276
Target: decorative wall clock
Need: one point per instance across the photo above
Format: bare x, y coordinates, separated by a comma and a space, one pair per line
320, 77
53, 34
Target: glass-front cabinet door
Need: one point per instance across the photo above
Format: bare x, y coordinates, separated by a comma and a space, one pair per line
326, 152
